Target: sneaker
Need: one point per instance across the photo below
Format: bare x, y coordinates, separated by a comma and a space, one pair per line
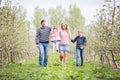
81, 64
77, 65
57, 50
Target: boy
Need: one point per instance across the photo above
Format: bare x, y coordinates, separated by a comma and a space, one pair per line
80, 45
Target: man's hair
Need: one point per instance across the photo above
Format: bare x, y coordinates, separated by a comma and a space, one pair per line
42, 21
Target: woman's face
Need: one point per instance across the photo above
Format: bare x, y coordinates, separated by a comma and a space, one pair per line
64, 26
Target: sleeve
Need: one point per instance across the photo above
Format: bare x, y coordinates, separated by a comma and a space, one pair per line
85, 41
51, 28
37, 37
74, 40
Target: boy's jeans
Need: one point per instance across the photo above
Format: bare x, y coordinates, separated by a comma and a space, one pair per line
79, 53
43, 53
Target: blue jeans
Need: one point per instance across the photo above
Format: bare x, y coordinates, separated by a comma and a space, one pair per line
43, 51
79, 54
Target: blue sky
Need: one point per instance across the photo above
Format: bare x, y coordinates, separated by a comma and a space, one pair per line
87, 7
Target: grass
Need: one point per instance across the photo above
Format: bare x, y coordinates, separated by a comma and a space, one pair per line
55, 71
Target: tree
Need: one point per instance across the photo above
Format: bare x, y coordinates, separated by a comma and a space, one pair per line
75, 18
14, 39
57, 15
39, 14
106, 31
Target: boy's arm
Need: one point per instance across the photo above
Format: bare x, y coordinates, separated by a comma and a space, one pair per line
85, 41
74, 40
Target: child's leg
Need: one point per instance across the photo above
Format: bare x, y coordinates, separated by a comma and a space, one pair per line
57, 45
82, 56
53, 46
77, 56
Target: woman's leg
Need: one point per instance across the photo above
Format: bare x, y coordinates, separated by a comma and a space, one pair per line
61, 56
65, 57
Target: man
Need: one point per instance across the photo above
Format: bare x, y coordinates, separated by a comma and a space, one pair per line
81, 43
42, 42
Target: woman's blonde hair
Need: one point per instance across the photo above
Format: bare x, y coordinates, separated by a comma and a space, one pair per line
67, 27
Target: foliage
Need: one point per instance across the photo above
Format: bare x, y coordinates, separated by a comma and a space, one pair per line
55, 71
105, 35
16, 37
39, 14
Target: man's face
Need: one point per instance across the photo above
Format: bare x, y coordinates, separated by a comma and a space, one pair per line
43, 24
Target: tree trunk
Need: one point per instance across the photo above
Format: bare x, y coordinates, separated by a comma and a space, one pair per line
113, 59
0, 2
1, 56
108, 61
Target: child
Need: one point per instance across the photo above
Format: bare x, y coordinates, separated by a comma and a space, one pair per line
80, 45
55, 38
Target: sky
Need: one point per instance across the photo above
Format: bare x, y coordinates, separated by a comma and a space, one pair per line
87, 7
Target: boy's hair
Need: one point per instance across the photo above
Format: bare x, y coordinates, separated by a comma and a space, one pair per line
42, 21
80, 31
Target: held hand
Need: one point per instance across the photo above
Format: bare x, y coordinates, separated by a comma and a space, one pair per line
71, 38
37, 46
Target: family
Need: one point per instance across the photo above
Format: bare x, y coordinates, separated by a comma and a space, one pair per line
60, 39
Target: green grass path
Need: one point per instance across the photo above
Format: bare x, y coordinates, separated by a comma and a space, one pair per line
55, 71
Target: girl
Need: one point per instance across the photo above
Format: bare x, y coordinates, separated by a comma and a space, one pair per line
55, 38
64, 43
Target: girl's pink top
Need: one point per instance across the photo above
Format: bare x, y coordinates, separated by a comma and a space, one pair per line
55, 35
65, 37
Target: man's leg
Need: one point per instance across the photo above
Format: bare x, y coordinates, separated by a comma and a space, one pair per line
41, 52
46, 49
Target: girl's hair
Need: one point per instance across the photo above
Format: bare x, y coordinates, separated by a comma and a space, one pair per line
67, 27
54, 28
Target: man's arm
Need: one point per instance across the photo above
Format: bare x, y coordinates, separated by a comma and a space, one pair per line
37, 37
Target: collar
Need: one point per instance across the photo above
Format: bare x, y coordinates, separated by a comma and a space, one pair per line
43, 27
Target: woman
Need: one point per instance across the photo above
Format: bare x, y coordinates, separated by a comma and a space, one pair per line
64, 43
